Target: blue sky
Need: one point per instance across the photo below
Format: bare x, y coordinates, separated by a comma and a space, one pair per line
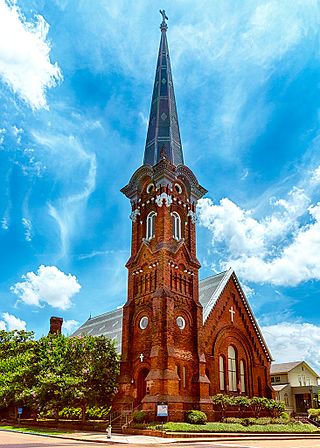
76, 80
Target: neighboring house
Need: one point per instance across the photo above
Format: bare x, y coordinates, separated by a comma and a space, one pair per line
295, 383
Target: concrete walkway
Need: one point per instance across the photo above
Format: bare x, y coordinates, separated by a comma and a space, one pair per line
128, 439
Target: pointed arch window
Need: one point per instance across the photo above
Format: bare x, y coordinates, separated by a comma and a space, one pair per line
221, 372
232, 369
150, 228
176, 226
242, 377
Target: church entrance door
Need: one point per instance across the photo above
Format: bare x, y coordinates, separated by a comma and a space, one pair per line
142, 385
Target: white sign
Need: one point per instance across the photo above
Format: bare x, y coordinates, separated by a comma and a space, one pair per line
162, 410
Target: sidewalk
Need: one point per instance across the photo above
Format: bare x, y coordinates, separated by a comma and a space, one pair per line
128, 439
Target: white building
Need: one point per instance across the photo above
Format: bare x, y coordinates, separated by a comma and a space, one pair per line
296, 383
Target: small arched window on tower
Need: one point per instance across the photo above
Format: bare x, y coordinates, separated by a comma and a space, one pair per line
150, 228
221, 372
242, 377
232, 369
176, 226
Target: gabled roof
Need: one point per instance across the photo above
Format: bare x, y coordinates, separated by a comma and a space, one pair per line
107, 324
210, 290
218, 283
286, 367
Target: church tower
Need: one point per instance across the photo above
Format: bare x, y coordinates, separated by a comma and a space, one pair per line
162, 358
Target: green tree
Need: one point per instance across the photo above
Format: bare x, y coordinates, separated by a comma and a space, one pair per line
18, 368
275, 407
222, 402
56, 371
242, 402
97, 369
258, 404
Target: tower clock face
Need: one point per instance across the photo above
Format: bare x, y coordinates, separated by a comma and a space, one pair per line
143, 322
181, 322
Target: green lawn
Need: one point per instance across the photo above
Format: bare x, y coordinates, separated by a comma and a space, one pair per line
237, 427
34, 430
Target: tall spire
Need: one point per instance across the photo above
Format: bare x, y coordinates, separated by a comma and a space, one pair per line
163, 138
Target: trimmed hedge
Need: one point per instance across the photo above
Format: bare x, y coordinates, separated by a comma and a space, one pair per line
196, 417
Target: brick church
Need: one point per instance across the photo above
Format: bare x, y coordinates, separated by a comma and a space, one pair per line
181, 340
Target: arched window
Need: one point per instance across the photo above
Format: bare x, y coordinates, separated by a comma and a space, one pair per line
150, 225
221, 372
286, 400
232, 369
242, 377
176, 226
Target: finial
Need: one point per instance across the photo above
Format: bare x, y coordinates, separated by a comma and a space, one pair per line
163, 25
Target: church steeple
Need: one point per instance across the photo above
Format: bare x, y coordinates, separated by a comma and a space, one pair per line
163, 138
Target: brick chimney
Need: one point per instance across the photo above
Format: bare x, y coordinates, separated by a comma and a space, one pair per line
55, 325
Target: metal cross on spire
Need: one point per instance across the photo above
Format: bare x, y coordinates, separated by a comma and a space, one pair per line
163, 25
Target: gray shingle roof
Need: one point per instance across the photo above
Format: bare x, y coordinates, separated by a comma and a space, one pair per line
107, 324
284, 367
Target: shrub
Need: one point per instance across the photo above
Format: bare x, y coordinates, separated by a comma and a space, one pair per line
139, 417
233, 420
70, 413
247, 421
284, 415
196, 417
98, 412
314, 414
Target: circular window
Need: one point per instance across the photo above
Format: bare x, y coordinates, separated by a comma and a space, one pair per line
143, 322
150, 188
181, 322
178, 188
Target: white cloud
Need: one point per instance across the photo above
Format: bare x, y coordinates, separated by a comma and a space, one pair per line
69, 325
294, 342
49, 285
316, 176
25, 55
282, 248
2, 134
28, 229
11, 322
79, 167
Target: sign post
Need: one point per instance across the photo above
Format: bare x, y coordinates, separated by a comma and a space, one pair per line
19, 414
162, 411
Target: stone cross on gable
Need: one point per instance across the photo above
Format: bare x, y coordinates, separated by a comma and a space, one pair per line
232, 313
141, 357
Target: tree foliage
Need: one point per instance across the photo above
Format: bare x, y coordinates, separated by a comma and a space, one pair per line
242, 402
56, 371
